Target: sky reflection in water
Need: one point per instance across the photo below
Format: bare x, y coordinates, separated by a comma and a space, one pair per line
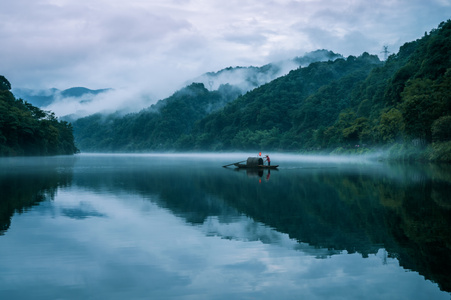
105, 239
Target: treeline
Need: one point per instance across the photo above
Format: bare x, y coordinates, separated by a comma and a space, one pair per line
341, 105
28, 130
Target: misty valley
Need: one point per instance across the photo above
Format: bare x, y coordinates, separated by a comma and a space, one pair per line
321, 102
135, 226
108, 195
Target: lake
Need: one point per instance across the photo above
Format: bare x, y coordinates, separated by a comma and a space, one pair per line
180, 226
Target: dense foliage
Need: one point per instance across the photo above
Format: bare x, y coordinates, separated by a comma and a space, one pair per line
28, 130
341, 105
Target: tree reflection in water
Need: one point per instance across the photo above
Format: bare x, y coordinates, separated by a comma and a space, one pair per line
401, 208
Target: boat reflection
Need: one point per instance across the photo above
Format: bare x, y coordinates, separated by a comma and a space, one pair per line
255, 172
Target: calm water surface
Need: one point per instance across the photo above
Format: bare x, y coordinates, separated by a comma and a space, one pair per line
183, 227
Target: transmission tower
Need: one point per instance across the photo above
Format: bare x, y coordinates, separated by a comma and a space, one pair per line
385, 51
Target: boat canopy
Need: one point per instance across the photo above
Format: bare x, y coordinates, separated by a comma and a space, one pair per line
254, 161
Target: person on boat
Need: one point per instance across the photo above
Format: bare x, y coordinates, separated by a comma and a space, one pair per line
268, 175
268, 160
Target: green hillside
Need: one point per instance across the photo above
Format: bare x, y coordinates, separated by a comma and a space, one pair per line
347, 105
276, 115
165, 125
28, 130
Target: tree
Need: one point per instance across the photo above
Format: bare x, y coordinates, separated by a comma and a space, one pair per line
421, 106
28, 130
391, 126
441, 129
4, 84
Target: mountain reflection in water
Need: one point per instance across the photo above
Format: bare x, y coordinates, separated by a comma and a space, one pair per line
319, 208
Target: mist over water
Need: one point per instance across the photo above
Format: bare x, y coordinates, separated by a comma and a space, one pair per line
180, 225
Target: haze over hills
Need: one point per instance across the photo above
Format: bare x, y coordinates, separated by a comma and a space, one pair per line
248, 78
336, 104
78, 102
403, 104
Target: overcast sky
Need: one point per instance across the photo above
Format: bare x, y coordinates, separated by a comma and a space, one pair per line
155, 45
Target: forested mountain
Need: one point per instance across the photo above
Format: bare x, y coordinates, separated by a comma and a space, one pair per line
280, 114
165, 125
28, 130
357, 102
178, 122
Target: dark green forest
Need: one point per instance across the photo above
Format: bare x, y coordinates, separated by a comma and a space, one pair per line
28, 130
348, 105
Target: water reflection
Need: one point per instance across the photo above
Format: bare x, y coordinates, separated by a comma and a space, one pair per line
385, 213
26, 181
256, 173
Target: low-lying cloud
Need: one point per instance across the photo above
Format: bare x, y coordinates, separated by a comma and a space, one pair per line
248, 78
123, 100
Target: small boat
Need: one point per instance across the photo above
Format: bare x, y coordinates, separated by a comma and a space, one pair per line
254, 163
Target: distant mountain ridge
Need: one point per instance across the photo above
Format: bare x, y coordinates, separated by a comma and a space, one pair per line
248, 78
43, 98
241, 78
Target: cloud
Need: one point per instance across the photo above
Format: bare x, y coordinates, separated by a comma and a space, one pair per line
123, 100
155, 46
